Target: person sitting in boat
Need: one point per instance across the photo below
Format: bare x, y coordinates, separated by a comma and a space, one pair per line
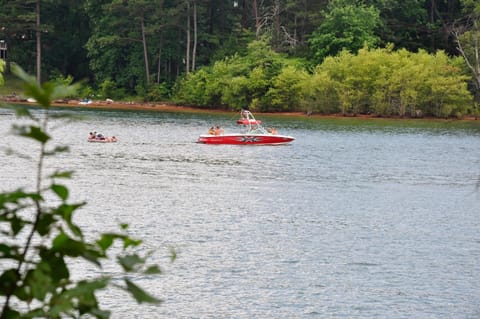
218, 130
272, 130
211, 131
100, 136
91, 136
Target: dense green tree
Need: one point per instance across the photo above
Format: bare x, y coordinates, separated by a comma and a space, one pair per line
466, 33
221, 33
346, 26
63, 29
394, 92
237, 81
125, 28
389, 82
17, 28
404, 23
64, 51
120, 45
300, 19
372, 81
285, 92
319, 94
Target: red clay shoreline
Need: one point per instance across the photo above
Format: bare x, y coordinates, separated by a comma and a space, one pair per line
167, 107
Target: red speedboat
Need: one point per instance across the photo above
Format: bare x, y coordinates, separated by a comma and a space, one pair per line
254, 134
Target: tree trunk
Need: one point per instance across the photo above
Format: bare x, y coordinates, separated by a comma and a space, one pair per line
39, 45
187, 54
257, 19
194, 50
473, 63
145, 52
276, 23
159, 60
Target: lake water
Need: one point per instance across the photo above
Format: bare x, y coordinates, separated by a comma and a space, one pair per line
354, 219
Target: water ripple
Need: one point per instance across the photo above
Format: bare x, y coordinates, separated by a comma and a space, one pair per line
354, 221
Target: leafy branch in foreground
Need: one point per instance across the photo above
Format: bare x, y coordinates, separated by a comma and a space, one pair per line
39, 236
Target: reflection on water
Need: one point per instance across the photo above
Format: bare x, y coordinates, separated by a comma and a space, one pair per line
371, 220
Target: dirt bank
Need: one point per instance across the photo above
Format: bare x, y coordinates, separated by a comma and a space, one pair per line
166, 107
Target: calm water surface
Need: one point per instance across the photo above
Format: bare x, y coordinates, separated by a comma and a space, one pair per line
355, 219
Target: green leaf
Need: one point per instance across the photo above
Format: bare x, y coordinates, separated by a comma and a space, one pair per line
9, 208
56, 150
106, 241
60, 190
24, 293
173, 255
66, 212
60, 268
22, 75
93, 255
44, 224
9, 251
31, 87
16, 196
33, 132
86, 287
22, 111
67, 246
127, 242
83, 295
101, 314
60, 304
17, 224
60, 91
11, 314
139, 294
36, 313
46, 93
39, 281
153, 270
130, 262
8, 281
62, 174
56, 263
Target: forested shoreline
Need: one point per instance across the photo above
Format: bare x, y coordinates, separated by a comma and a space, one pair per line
376, 57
